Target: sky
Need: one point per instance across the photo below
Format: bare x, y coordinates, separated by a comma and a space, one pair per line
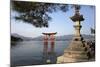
60, 23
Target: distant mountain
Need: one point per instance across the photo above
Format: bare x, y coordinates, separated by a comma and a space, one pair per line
69, 37
39, 38
58, 38
20, 36
65, 37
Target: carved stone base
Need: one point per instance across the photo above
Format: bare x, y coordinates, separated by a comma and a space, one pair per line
74, 53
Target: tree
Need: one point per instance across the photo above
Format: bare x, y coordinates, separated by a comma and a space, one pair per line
36, 13
92, 31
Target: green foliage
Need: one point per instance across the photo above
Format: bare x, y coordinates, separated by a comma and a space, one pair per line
36, 13
15, 39
92, 31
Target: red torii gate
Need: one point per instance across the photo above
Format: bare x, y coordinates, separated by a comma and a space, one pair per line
49, 37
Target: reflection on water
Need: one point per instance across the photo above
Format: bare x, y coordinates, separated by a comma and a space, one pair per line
37, 52
49, 55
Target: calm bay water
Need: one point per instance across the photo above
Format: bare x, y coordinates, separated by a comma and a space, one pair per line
34, 52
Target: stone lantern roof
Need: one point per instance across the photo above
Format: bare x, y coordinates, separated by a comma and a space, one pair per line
77, 16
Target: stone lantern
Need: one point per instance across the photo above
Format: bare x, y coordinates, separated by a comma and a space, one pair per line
75, 52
